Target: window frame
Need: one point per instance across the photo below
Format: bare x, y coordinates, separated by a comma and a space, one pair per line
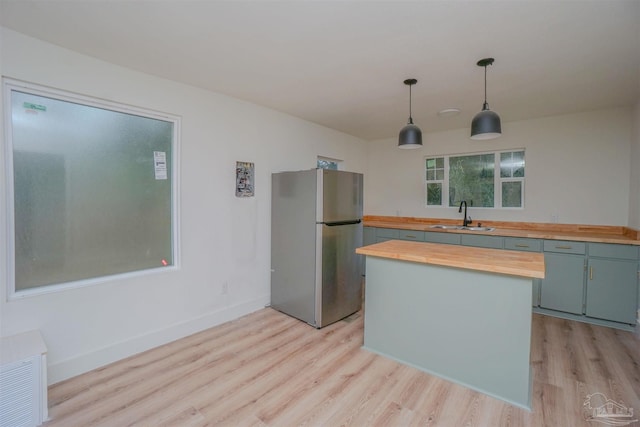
9, 85
502, 180
321, 162
498, 180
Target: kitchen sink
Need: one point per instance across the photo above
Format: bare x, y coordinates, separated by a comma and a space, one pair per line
477, 228
460, 227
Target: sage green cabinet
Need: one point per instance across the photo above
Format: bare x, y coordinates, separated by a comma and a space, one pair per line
522, 244
384, 234
368, 236
535, 293
562, 288
593, 282
596, 280
565, 247
448, 238
612, 282
477, 240
417, 236
527, 245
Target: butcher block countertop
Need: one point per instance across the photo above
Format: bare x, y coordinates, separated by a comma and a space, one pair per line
535, 230
515, 263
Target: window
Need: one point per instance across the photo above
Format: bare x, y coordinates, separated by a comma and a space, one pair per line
512, 179
326, 163
92, 189
435, 180
485, 180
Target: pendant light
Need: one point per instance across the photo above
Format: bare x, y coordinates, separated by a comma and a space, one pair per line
410, 135
485, 124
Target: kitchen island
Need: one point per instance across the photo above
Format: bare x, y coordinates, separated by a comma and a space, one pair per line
461, 313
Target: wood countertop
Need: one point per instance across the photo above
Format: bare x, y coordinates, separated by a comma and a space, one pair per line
576, 232
515, 263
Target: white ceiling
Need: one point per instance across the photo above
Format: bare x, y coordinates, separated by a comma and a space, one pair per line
342, 64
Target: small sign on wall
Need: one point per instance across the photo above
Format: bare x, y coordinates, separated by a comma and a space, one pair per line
160, 164
245, 175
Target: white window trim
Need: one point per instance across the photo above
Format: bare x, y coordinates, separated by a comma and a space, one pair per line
8, 85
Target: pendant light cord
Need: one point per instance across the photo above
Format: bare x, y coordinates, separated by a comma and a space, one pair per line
411, 118
485, 106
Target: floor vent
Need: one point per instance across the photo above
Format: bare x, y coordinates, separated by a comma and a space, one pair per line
23, 385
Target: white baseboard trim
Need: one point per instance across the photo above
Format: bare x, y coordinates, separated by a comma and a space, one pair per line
86, 362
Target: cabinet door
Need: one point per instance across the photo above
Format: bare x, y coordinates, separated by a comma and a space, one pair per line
527, 245
384, 234
612, 290
535, 293
563, 286
449, 238
369, 236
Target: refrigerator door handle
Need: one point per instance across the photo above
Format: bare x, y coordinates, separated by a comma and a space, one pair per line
336, 223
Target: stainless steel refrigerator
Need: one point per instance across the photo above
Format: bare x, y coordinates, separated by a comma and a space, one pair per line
316, 226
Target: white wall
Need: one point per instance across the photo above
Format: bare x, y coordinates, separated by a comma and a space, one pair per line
577, 168
223, 238
634, 194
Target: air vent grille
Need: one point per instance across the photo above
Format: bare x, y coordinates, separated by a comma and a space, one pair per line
19, 392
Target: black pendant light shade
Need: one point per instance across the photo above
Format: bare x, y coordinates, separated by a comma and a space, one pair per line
485, 124
410, 135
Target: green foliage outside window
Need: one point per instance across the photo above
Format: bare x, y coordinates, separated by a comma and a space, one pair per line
435, 176
471, 179
434, 194
327, 164
511, 194
484, 180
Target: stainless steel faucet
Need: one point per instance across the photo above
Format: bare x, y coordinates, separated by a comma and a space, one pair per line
466, 220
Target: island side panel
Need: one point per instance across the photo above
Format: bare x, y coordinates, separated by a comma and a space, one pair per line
470, 327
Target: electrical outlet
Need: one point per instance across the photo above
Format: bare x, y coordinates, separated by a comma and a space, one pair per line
225, 288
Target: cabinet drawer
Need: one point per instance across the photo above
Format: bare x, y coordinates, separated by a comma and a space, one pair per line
389, 233
530, 245
566, 247
411, 235
494, 242
449, 238
605, 250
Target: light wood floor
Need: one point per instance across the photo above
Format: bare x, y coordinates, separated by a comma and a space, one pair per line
267, 369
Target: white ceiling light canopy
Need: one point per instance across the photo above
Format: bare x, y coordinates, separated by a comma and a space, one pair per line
449, 112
